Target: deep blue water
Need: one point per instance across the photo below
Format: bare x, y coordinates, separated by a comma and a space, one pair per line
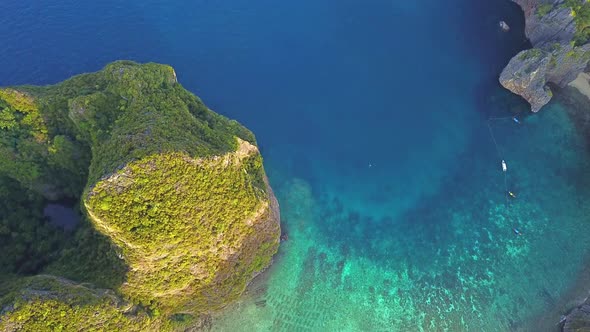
371, 116
351, 83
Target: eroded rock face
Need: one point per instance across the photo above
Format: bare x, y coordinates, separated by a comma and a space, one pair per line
554, 59
525, 76
547, 22
529, 72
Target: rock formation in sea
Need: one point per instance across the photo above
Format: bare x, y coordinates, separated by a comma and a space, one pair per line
578, 320
557, 29
178, 190
559, 32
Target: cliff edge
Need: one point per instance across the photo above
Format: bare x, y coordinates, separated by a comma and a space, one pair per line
179, 190
559, 32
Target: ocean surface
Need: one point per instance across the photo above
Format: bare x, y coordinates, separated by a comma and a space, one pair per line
383, 128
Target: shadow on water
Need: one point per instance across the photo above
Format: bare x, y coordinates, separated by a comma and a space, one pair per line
494, 49
482, 36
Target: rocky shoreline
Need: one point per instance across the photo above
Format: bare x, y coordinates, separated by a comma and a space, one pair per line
557, 62
557, 57
570, 311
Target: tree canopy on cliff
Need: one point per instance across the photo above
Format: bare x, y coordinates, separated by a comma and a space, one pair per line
581, 13
178, 215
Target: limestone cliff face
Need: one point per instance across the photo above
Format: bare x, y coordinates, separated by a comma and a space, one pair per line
547, 21
557, 56
179, 190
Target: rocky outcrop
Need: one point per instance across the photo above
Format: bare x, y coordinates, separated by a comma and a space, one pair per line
179, 190
555, 58
547, 22
578, 320
525, 76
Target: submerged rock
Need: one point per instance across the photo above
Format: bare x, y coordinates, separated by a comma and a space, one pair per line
558, 55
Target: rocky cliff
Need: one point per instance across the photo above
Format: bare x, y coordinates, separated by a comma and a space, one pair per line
178, 190
558, 32
578, 319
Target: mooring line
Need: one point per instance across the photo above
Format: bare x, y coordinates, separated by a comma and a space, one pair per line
509, 212
494, 139
500, 156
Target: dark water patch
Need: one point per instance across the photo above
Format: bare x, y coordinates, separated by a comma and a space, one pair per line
308, 274
578, 109
494, 49
62, 215
547, 297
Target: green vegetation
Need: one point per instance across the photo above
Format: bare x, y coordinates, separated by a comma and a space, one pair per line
178, 217
556, 47
553, 61
88, 256
544, 9
27, 243
155, 205
578, 53
532, 53
47, 160
46, 303
31, 245
580, 10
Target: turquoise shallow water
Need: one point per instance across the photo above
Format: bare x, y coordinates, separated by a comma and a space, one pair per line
452, 263
372, 118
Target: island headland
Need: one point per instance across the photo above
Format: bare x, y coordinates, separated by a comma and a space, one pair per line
173, 195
